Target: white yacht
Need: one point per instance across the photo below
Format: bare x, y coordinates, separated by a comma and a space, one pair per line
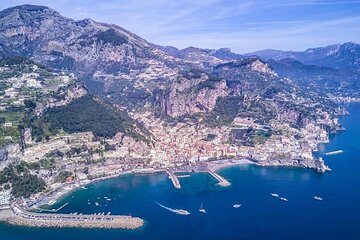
318, 198
284, 199
182, 212
275, 195
236, 205
202, 209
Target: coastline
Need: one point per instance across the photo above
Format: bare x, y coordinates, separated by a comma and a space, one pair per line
216, 166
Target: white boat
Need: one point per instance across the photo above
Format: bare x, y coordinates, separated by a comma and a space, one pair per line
334, 152
202, 209
51, 202
177, 211
284, 199
97, 204
275, 195
182, 212
318, 198
236, 205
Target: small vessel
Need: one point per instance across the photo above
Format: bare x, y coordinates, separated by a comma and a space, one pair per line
284, 199
275, 195
177, 211
97, 204
318, 198
182, 212
334, 152
236, 205
202, 209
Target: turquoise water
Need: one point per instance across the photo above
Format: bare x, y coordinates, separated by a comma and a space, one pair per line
260, 216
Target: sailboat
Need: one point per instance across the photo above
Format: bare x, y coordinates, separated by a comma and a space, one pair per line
202, 209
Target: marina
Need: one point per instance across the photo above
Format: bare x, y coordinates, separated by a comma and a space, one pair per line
18, 216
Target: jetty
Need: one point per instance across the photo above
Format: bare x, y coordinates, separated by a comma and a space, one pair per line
50, 210
173, 179
221, 181
19, 216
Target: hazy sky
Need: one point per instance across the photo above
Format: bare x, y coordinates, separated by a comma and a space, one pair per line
242, 25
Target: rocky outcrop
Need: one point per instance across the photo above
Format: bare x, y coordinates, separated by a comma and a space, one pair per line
317, 164
198, 98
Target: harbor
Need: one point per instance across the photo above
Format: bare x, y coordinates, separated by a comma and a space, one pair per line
18, 216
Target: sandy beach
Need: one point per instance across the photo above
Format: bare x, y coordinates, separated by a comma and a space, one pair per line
217, 165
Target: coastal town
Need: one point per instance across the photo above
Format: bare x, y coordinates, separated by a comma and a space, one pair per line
62, 162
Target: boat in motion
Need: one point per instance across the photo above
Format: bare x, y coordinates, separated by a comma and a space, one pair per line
236, 205
177, 211
275, 195
318, 198
284, 199
202, 209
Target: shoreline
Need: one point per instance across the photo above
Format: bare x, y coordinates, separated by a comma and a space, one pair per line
213, 166
216, 166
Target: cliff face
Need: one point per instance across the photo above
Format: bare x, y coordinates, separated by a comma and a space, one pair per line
192, 98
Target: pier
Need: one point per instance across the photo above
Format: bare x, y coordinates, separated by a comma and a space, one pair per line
222, 181
51, 210
174, 179
19, 216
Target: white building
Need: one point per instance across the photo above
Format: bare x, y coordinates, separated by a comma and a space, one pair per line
4, 198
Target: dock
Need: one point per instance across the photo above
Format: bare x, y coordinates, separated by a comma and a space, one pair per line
221, 181
174, 179
51, 210
19, 216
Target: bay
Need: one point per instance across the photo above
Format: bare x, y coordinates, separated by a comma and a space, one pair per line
260, 216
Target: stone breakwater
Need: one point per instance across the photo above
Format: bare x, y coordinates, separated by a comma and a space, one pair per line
30, 219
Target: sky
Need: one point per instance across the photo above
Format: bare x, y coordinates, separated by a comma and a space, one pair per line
242, 25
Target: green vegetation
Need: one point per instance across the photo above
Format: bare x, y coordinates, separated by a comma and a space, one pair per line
210, 137
249, 136
224, 112
61, 177
10, 134
110, 36
81, 115
23, 183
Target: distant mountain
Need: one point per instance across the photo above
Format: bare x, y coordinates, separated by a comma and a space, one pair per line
266, 54
321, 79
139, 76
147, 97
200, 54
339, 56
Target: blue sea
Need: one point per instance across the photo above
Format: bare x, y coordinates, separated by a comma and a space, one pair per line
260, 216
